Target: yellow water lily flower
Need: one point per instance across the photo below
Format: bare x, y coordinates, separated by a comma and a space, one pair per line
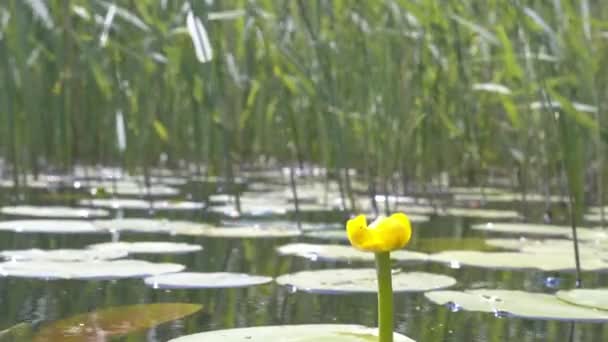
385, 234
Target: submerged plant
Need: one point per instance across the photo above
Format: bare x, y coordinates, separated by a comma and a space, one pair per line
382, 236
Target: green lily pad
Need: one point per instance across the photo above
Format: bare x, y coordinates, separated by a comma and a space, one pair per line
329, 234
61, 255
492, 214
101, 325
541, 230
593, 298
147, 247
217, 280
53, 211
343, 253
18, 332
86, 270
254, 232
51, 226
475, 190
130, 188
134, 225
293, 333
518, 260
508, 197
138, 204
346, 281
438, 244
517, 304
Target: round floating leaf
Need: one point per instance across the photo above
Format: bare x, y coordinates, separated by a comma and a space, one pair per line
518, 260
544, 230
343, 253
438, 244
136, 225
103, 324
475, 190
137, 204
191, 280
147, 247
51, 226
508, 197
330, 235
293, 333
345, 281
250, 210
593, 298
491, 214
100, 270
62, 255
238, 232
128, 188
53, 211
517, 304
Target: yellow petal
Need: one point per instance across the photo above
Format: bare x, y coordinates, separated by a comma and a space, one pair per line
386, 234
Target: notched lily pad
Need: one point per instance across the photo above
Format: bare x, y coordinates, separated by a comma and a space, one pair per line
86, 270
138, 204
103, 324
592, 298
492, 214
135, 225
517, 304
147, 247
53, 211
193, 280
343, 253
51, 226
293, 333
61, 255
346, 281
541, 230
254, 232
518, 260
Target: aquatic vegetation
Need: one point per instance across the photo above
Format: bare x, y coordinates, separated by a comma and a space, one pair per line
344, 253
383, 235
361, 280
210, 280
513, 303
147, 247
86, 270
292, 333
51, 226
53, 212
113, 322
62, 255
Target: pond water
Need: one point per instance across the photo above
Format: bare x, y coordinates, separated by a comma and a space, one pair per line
39, 302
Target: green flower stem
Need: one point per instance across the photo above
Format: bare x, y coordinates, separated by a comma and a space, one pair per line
385, 296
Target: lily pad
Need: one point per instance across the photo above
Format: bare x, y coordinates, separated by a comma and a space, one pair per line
250, 210
191, 280
129, 188
343, 253
147, 247
138, 204
518, 260
346, 281
94, 270
51, 226
593, 298
508, 197
53, 211
517, 304
18, 332
102, 325
438, 244
330, 234
254, 232
61, 255
293, 333
136, 225
492, 214
541, 230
